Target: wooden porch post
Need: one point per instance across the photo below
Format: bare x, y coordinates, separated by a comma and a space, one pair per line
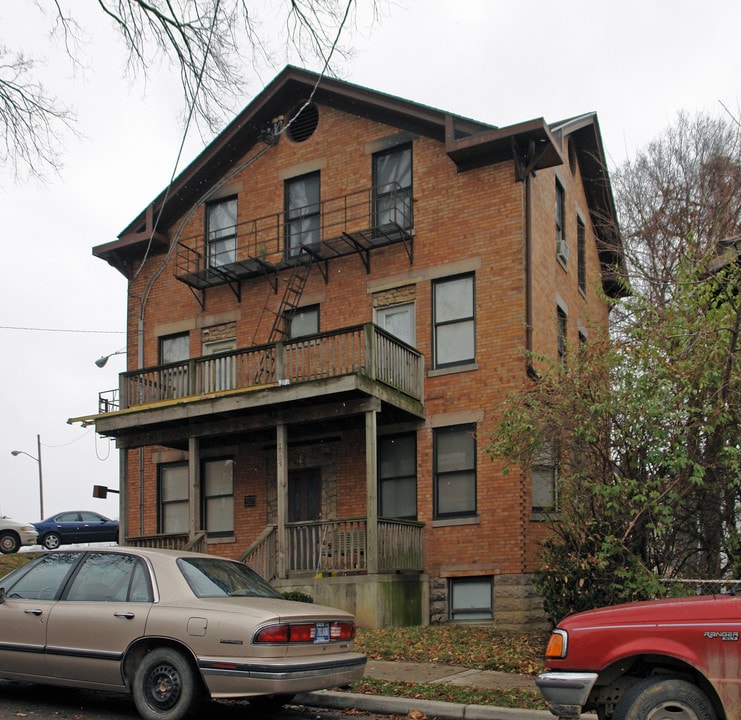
194, 483
371, 485
281, 467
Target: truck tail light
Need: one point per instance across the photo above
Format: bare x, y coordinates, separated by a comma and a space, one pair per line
558, 645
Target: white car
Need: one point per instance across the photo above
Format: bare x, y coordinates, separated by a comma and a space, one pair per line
13, 534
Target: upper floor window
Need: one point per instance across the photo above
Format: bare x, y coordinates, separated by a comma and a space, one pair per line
562, 249
303, 212
392, 183
543, 482
174, 348
221, 232
455, 471
397, 472
561, 330
303, 321
454, 325
399, 321
581, 252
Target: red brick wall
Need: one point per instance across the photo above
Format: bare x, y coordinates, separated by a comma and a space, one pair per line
463, 221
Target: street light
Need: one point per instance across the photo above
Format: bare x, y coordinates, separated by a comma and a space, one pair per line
41, 477
103, 359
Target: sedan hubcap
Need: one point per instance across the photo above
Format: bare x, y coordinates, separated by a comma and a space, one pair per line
165, 685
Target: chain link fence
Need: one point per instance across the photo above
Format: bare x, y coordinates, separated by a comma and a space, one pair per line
680, 588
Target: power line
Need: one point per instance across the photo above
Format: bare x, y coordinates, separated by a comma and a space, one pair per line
62, 330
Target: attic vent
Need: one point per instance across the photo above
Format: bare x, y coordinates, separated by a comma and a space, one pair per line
304, 120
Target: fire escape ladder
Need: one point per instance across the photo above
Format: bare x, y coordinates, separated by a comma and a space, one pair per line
292, 293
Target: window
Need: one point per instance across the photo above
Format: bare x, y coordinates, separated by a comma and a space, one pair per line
399, 321
110, 577
173, 499
221, 232
174, 348
220, 373
397, 470
455, 471
471, 599
392, 183
561, 329
453, 307
302, 212
45, 580
217, 482
560, 220
304, 321
581, 252
543, 479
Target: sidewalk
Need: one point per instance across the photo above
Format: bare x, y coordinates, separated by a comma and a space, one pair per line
429, 673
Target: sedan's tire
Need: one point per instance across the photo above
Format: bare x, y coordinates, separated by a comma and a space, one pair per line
9, 542
51, 541
165, 686
661, 697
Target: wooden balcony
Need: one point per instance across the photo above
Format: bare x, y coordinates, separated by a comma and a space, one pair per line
363, 350
339, 547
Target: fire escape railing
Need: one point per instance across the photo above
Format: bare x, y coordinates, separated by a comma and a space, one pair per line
350, 224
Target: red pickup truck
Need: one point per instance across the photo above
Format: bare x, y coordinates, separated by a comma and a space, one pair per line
654, 660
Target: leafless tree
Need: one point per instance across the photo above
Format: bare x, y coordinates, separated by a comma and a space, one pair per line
679, 197
213, 44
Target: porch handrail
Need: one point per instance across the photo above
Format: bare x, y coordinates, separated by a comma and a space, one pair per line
361, 349
260, 555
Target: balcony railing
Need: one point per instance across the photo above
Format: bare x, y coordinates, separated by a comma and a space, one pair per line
340, 547
350, 224
363, 349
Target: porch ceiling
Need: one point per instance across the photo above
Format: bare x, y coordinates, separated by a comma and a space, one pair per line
331, 402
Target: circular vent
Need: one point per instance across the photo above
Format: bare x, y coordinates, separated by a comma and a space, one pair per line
303, 122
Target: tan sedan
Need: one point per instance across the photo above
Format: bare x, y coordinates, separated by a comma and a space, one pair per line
171, 628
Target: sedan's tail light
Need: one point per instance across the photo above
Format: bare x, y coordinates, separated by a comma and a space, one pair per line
285, 633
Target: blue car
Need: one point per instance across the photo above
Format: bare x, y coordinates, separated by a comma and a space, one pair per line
76, 526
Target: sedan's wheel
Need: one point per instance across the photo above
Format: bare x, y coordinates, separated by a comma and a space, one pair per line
165, 686
9, 543
664, 698
51, 541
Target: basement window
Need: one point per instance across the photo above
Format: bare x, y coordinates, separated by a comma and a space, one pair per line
471, 599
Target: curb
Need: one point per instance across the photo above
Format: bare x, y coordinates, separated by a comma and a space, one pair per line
403, 706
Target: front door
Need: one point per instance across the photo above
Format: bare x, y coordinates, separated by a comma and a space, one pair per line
304, 495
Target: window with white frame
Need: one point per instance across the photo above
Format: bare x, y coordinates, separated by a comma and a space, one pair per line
399, 321
455, 471
471, 598
454, 322
397, 471
221, 232
173, 499
217, 490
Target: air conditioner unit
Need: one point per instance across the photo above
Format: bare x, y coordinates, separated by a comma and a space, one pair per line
562, 250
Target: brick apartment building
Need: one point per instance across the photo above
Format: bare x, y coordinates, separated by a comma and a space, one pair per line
325, 310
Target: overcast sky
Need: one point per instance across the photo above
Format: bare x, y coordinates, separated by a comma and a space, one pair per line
637, 63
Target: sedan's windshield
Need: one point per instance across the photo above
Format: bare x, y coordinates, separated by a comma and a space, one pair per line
209, 577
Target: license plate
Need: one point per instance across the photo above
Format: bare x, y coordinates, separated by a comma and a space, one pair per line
322, 633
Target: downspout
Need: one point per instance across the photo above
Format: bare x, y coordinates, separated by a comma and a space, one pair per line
528, 273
